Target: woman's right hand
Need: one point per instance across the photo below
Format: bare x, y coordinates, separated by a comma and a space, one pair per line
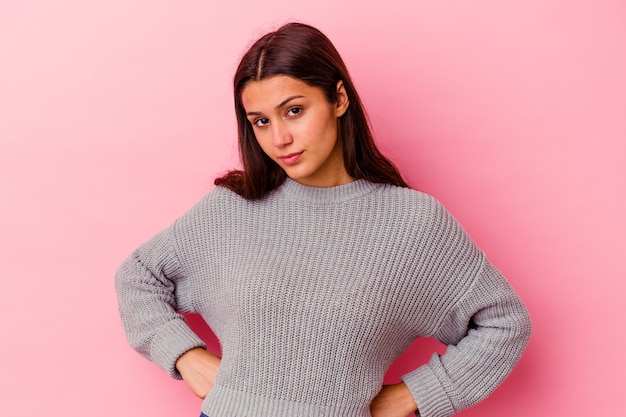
198, 369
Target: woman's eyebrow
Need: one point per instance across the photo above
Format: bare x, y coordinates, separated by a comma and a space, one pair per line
282, 104
285, 101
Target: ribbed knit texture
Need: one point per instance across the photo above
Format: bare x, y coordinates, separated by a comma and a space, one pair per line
314, 292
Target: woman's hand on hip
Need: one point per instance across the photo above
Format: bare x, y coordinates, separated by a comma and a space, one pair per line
198, 369
393, 401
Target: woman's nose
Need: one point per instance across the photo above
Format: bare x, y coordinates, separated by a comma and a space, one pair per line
281, 135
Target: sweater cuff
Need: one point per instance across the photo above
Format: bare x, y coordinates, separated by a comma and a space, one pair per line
428, 393
170, 343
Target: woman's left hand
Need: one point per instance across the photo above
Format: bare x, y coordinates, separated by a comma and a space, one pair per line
393, 401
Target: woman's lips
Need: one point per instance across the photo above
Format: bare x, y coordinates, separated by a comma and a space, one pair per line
291, 158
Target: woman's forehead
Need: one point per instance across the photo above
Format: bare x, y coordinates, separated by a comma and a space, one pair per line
271, 92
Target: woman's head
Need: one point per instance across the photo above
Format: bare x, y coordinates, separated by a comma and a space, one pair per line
297, 127
303, 53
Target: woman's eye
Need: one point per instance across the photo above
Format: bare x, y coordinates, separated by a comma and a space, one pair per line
294, 111
261, 122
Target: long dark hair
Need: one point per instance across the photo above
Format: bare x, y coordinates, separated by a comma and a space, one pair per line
302, 52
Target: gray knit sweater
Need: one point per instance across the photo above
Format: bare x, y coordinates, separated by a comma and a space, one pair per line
313, 292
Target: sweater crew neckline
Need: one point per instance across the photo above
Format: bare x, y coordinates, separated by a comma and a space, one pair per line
294, 190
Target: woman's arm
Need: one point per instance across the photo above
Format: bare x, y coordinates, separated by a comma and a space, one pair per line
149, 305
485, 332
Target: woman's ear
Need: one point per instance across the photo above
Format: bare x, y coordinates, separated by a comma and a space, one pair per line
342, 100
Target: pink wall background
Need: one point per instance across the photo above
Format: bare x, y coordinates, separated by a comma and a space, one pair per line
115, 117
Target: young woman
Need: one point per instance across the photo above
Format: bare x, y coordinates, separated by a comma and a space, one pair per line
316, 265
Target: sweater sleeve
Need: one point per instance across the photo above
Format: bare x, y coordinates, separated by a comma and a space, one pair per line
146, 286
474, 311
486, 332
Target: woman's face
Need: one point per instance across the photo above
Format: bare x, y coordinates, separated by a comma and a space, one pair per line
298, 128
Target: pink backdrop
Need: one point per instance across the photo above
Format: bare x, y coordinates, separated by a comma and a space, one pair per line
115, 116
